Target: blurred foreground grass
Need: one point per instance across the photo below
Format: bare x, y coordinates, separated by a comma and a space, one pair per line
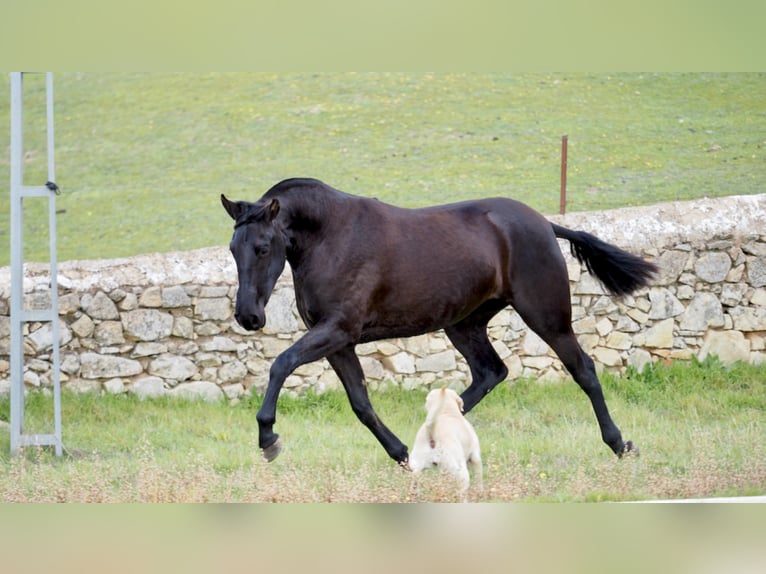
700, 429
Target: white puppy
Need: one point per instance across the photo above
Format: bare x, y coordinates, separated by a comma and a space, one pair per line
447, 439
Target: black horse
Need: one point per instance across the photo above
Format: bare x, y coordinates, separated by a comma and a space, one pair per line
364, 270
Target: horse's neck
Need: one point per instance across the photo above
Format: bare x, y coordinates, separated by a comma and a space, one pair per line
305, 220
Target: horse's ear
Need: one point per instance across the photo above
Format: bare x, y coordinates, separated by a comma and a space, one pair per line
233, 208
273, 209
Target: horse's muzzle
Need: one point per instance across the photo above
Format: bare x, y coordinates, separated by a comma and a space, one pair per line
250, 321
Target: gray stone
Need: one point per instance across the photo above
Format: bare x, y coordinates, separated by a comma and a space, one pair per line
186, 348
313, 369
387, 348
585, 325
31, 379
68, 303
172, 367
732, 294
401, 363
70, 363
712, 267
129, 303
756, 248
444, 361
607, 357
534, 345
366, 349
639, 359
234, 391
219, 344
83, 386
604, 305
207, 329
115, 386
214, 291
151, 297
671, 264
664, 304
736, 274
118, 295
728, 346
100, 306
685, 292
660, 336
148, 388
232, 372
272, 346
588, 342
501, 349
83, 327
749, 318
42, 339
756, 272
37, 301
619, 340
537, 363
604, 327
704, 311
258, 367
218, 309
109, 333
198, 390
758, 298
95, 366
279, 313
147, 324
588, 285
627, 325
373, 369
174, 297
418, 346
183, 327
148, 349
205, 360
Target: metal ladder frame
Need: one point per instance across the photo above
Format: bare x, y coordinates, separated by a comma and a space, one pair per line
19, 315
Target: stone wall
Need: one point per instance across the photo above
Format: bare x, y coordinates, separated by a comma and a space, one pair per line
163, 324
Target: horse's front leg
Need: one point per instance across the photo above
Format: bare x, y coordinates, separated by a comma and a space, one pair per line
320, 341
346, 365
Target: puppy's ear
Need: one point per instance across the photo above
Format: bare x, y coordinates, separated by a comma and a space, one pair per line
459, 402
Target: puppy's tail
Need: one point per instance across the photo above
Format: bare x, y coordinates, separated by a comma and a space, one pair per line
433, 413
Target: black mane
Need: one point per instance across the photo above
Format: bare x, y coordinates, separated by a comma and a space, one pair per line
255, 212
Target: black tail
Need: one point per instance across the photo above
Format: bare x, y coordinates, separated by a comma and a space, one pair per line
620, 272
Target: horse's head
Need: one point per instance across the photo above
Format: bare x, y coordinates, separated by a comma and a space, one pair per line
258, 247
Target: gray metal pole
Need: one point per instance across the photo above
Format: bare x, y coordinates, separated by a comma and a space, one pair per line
18, 315
17, 262
53, 269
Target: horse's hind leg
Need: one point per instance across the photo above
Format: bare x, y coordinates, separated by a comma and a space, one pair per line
548, 313
346, 365
540, 294
471, 340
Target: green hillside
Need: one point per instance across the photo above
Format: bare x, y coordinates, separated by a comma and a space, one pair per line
142, 158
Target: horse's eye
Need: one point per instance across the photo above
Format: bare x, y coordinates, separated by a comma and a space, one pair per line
262, 250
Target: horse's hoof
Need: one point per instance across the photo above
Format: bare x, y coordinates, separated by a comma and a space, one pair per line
272, 451
629, 449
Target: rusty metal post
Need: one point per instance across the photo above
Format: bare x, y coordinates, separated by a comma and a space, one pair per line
563, 194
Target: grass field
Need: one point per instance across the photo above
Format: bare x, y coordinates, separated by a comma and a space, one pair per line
700, 428
142, 158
